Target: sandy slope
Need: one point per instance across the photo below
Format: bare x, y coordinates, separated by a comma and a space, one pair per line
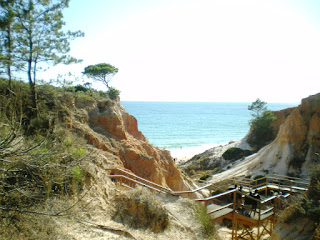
97, 224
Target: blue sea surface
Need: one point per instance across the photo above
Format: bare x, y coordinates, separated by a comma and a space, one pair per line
180, 125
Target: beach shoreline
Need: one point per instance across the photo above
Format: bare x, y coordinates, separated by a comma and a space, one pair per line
183, 154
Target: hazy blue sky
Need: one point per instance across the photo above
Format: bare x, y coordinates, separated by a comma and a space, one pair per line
202, 50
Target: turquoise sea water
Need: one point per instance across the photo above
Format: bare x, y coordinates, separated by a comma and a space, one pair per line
193, 125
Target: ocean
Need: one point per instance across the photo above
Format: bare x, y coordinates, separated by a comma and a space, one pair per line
189, 128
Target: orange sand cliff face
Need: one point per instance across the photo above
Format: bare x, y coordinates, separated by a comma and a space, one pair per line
297, 145
295, 149
108, 127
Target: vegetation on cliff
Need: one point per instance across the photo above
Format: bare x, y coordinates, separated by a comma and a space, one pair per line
102, 72
39, 159
308, 207
235, 153
261, 131
205, 220
31, 37
140, 209
53, 168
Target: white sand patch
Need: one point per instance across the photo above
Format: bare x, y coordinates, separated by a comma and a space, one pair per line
185, 153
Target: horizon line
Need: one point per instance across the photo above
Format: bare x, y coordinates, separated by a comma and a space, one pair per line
178, 101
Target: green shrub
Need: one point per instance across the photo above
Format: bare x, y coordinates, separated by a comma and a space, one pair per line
314, 186
103, 94
39, 124
205, 221
316, 235
293, 212
68, 142
79, 87
78, 153
204, 177
77, 179
77, 174
113, 93
83, 96
309, 205
234, 153
261, 130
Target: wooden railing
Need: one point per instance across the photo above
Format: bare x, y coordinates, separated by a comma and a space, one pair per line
238, 211
267, 205
130, 177
228, 204
275, 182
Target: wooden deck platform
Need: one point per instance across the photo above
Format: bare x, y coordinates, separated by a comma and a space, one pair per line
217, 212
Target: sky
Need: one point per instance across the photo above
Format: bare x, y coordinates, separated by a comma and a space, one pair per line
200, 50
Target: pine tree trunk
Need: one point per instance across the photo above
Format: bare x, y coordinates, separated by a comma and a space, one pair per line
9, 56
33, 91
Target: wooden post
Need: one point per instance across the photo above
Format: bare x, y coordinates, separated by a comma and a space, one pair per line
266, 192
234, 233
259, 218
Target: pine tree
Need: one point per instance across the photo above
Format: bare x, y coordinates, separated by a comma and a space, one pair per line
7, 37
41, 38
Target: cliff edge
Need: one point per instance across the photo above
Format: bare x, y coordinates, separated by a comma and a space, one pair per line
297, 144
107, 126
293, 152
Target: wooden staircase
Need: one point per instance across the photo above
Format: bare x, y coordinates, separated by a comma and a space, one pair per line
247, 223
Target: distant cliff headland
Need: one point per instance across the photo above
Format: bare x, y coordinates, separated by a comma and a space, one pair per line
294, 150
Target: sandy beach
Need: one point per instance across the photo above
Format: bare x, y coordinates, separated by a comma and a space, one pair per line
185, 153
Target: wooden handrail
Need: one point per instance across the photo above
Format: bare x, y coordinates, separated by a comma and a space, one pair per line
268, 199
290, 178
140, 178
260, 207
284, 178
218, 195
135, 181
220, 208
267, 210
265, 185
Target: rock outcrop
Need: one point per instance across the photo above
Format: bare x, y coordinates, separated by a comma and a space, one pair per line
108, 127
294, 150
297, 145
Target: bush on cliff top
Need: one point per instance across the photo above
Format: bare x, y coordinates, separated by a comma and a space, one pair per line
234, 153
261, 131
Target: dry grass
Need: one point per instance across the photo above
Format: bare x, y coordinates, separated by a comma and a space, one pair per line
140, 209
292, 212
205, 221
15, 225
316, 235
39, 160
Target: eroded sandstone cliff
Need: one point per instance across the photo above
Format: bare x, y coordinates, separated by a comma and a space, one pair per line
295, 149
297, 145
107, 126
